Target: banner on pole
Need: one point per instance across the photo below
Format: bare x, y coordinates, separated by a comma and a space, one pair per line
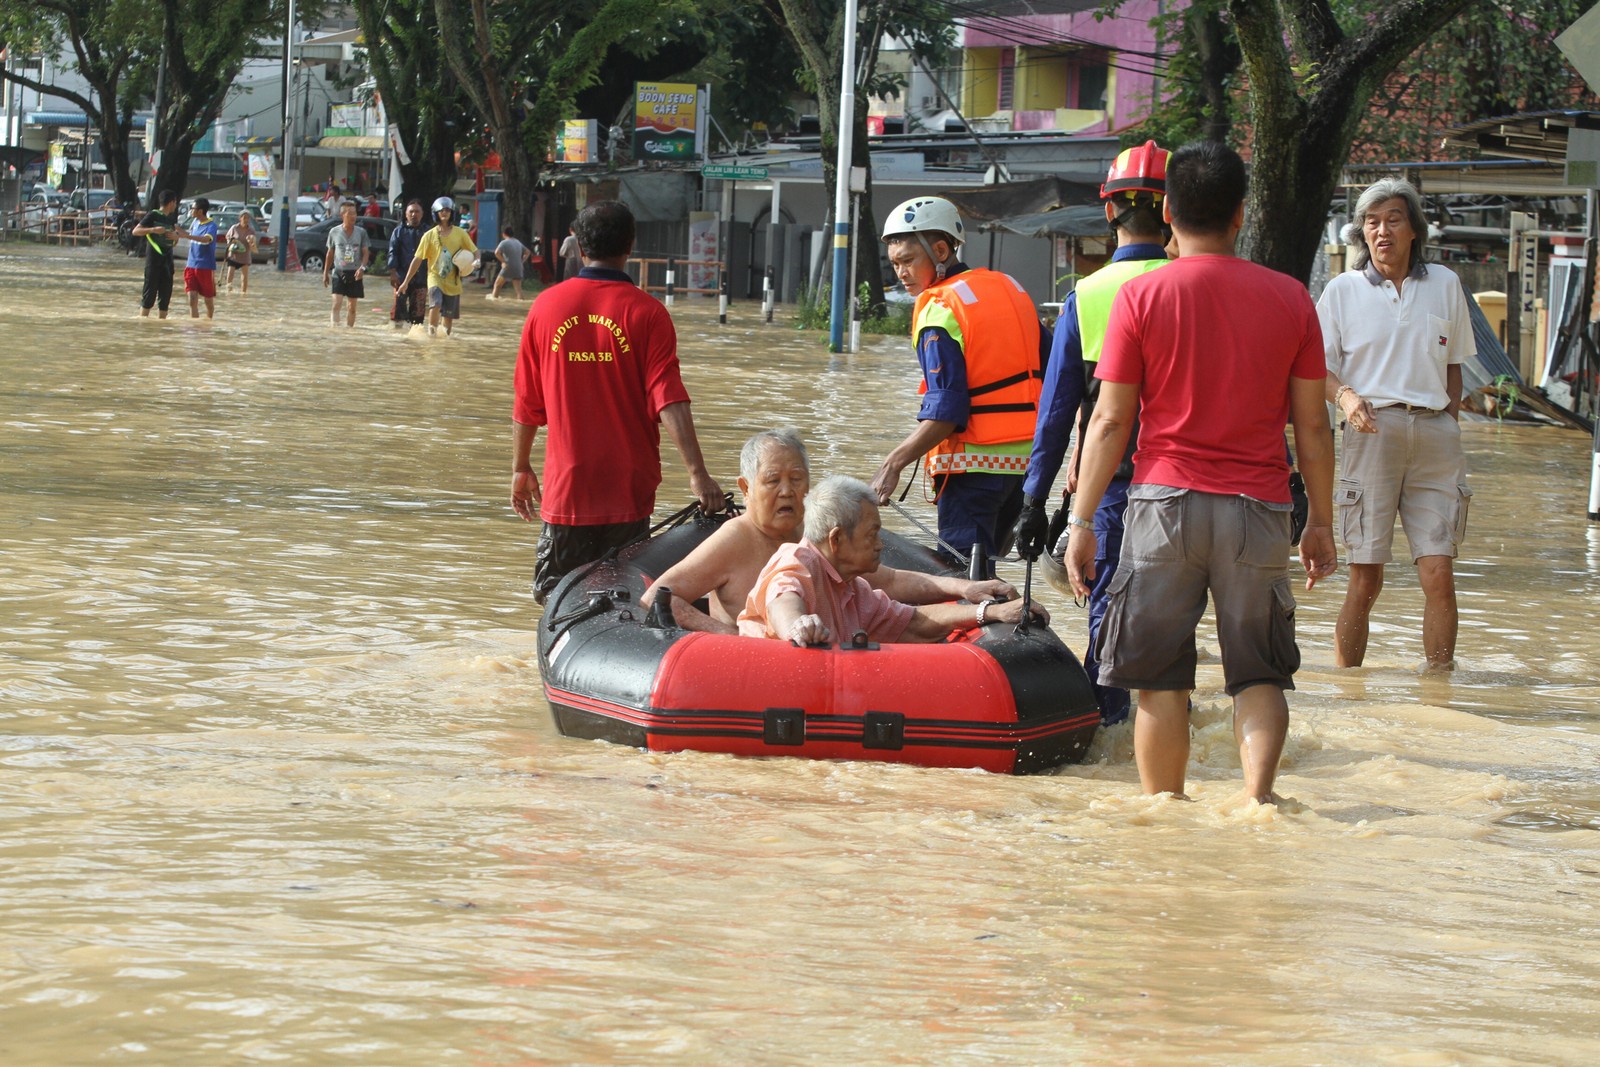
703, 249
398, 147
260, 169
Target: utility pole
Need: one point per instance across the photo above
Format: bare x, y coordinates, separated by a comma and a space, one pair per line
288, 187
840, 311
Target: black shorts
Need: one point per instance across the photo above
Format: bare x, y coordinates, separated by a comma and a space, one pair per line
566, 548
157, 282
345, 283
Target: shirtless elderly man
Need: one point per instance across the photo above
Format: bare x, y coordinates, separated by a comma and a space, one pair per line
774, 479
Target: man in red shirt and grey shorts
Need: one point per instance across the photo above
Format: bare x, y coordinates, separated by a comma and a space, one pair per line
1213, 354
599, 366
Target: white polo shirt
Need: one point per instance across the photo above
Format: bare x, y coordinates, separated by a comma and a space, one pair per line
1393, 346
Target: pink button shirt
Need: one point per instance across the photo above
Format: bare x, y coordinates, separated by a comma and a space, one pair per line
844, 607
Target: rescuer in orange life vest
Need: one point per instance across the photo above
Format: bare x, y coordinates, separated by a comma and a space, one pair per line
982, 355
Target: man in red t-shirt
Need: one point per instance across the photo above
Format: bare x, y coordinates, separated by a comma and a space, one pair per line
1213, 354
599, 367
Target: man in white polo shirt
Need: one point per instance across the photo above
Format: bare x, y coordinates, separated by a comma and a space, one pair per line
1395, 332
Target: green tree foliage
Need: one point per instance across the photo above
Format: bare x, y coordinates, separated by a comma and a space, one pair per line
1332, 80
107, 40
1202, 83
523, 64
817, 29
1311, 82
421, 97
1493, 59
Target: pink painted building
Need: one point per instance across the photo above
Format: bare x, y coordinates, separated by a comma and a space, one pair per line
1063, 72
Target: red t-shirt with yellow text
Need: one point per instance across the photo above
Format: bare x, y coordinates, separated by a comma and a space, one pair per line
598, 362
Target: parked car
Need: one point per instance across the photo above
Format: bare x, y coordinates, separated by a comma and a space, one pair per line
311, 243
38, 210
91, 199
44, 205
307, 212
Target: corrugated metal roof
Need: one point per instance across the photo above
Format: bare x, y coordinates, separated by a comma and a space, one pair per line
1540, 135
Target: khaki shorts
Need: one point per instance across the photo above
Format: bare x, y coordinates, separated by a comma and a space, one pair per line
1412, 467
1178, 546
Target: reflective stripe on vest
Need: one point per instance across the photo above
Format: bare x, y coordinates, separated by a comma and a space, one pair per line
1095, 295
999, 336
985, 459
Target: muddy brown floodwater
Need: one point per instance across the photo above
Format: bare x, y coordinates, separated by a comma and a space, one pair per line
278, 785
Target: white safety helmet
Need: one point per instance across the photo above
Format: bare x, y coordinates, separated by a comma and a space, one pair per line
922, 215
925, 214
444, 203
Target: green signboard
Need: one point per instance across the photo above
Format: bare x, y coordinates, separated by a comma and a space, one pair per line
734, 173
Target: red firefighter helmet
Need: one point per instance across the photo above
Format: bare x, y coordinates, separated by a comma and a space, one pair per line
1138, 170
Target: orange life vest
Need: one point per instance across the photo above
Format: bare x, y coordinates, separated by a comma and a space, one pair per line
998, 329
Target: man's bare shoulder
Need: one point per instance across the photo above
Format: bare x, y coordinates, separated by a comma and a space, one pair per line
718, 555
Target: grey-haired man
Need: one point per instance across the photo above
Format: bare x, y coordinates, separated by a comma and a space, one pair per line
1395, 331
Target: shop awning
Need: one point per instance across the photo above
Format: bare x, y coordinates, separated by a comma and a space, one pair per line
67, 118
352, 141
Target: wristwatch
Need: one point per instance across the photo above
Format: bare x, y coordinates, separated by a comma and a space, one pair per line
1073, 520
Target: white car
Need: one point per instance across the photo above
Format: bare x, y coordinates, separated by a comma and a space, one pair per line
307, 211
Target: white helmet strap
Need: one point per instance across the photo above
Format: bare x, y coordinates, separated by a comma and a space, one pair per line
939, 267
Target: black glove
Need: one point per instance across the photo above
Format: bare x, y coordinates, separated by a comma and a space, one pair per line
1032, 527
1300, 508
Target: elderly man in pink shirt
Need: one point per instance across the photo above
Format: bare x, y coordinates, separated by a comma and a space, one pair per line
813, 592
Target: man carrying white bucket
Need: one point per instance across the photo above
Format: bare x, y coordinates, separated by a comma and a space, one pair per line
449, 254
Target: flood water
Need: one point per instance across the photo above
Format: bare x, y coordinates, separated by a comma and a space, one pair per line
278, 784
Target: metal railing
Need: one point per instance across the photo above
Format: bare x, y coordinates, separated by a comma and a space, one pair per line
36, 222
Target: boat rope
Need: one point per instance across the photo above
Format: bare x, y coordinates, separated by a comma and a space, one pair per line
694, 511
918, 523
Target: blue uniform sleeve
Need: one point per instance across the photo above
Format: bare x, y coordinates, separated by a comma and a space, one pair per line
1058, 402
944, 368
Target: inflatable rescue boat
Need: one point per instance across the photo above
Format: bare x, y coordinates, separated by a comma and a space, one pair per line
997, 697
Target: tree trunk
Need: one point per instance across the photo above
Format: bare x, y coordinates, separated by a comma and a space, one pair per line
519, 174
1304, 123
429, 175
1219, 59
114, 147
176, 153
